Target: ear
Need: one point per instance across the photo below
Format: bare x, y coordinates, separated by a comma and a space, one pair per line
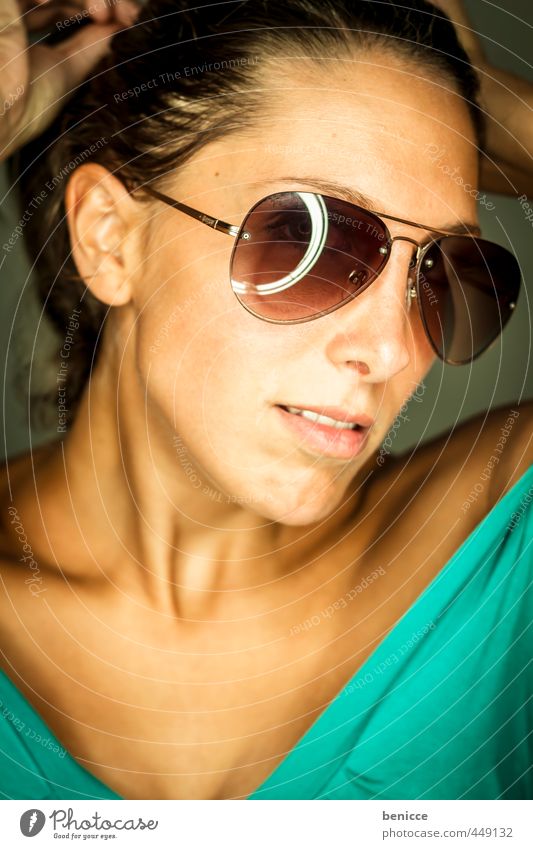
100, 216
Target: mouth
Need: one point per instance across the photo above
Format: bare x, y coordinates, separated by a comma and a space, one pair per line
341, 436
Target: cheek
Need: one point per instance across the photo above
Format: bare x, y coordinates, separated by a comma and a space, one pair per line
422, 353
200, 355
182, 301
226, 370
422, 358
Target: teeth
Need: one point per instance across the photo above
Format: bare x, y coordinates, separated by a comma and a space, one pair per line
315, 417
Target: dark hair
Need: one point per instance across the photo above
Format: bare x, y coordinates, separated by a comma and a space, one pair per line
142, 138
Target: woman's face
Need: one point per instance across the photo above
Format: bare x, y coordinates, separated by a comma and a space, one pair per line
214, 374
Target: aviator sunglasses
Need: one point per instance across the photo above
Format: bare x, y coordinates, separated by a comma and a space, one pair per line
300, 255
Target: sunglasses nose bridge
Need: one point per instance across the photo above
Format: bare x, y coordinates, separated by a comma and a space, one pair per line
413, 264
416, 255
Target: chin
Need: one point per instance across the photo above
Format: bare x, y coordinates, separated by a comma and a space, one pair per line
306, 511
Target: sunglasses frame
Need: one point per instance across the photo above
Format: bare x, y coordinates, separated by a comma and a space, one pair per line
237, 232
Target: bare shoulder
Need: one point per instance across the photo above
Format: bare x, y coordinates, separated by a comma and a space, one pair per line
14, 470
500, 444
515, 435
423, 504
480, 459
16, 477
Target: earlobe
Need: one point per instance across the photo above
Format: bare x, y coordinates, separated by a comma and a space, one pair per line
98, 210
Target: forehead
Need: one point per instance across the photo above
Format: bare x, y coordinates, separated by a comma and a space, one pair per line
387, 126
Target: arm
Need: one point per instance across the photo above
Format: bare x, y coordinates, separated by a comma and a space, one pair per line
507, 101
35, 79
513, 431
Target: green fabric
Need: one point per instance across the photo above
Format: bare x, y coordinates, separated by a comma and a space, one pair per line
442, 709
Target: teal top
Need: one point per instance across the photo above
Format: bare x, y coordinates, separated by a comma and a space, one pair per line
442, 709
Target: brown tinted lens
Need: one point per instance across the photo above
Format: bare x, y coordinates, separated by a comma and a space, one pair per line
300, 254
466, 287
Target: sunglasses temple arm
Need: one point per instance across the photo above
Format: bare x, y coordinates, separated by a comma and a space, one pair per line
215, 223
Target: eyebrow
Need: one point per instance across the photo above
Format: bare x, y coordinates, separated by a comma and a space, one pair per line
360, 199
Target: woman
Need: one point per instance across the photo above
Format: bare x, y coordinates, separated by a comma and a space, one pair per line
228, 598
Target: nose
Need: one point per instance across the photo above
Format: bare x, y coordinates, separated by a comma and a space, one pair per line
373, 333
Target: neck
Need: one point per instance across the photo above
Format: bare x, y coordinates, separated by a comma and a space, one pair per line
122, 480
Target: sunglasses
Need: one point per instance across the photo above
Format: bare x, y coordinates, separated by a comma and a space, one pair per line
300, 255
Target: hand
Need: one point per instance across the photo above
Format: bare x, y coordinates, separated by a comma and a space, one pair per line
465, 31
507, 101
35, 79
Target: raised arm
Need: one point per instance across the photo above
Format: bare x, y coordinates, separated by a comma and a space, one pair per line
508, 103
34, 80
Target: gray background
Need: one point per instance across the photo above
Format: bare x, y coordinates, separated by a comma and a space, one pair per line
502, 375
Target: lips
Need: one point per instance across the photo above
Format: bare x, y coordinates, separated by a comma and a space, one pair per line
335, 413
322, 420
342, 443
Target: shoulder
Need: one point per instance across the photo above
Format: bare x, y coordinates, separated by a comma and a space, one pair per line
476, 462
18, 507
513, 430
15, 471
499, 444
